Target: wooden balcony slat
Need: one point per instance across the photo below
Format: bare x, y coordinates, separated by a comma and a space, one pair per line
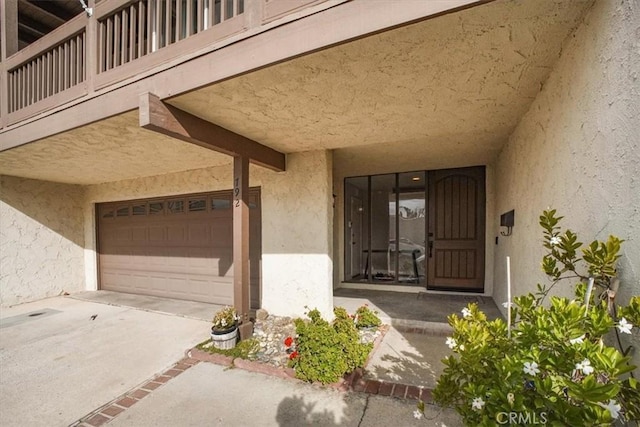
109, 49
116, 42
81, 58
132, 32
200, 14
66, 67
189, 18
124, 45
73, 60
167, 22
141, 28
157, 27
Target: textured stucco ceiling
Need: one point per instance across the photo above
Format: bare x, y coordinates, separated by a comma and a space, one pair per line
456, 84
452, 88
110, 150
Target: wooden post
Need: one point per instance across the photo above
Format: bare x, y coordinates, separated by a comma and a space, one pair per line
241, 243
9, 25
9, 46
91, 49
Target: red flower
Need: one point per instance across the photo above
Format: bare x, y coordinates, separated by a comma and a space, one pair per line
288, 341
293, 355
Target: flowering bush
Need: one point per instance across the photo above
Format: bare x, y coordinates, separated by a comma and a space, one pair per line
326, 351
555, 367
366, 318
225, 318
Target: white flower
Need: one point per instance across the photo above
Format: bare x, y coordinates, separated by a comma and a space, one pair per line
624, 326
612, 407
477, 403
507, 304
451, 342
554, 241
531, 368
466, 312
417, 414
585, 367
461, 347
578, 340
223, 322
511, 398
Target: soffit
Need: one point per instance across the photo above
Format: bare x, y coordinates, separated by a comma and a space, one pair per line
113, 149
456, 85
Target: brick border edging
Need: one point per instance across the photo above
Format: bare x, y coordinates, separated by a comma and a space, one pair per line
353, 381
109, 411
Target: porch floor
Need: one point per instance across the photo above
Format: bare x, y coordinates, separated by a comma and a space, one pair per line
412, 309
412, 350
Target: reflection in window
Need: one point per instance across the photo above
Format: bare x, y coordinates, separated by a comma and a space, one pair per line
155, 208
217, 203
139, 209
108, 214
389, 213
123, 211
175, 206
197, 205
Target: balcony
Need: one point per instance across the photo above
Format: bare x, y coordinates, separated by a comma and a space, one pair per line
124, 41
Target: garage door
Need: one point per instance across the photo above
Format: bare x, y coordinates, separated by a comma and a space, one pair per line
176, 247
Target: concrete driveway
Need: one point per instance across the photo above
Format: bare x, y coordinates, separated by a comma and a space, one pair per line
101, 358
57, 364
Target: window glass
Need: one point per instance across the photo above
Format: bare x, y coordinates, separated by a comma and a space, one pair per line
356, 228
108, 214
175, 206
220, 203
197, 205
124, 211
156, 208
139, 209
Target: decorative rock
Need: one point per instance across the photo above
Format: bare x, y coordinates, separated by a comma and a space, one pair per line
271, 331
262, 314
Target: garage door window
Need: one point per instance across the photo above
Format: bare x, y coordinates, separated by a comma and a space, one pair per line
156, 208
217, 203
139, 210
175, 206
198, 205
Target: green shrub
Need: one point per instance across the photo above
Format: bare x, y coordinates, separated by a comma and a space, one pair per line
326, 351
555, 368
365, 318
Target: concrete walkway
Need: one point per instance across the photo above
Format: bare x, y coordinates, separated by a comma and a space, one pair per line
208, 394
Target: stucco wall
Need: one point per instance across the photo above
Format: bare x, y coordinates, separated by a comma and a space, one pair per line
297, 220
41, 239
577, 150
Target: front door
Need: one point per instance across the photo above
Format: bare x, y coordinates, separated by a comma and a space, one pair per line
417, 228
456, 229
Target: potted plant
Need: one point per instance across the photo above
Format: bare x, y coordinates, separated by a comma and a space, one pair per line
224, 331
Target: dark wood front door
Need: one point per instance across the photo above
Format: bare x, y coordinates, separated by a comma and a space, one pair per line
456, 229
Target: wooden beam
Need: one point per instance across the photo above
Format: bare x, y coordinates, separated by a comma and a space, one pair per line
168, 120
241, 244
33, 9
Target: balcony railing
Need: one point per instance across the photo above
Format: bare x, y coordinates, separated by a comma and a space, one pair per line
121, 40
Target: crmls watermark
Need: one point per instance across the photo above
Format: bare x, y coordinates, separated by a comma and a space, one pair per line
520, 418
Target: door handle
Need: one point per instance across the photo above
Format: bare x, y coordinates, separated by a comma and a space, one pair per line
430, 245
